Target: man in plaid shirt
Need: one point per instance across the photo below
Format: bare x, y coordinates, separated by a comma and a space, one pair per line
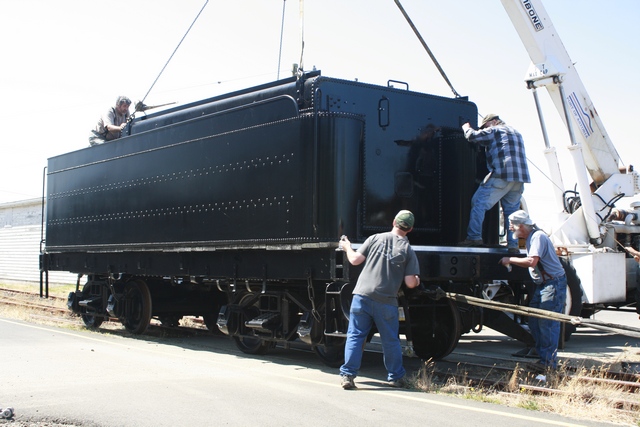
508, 171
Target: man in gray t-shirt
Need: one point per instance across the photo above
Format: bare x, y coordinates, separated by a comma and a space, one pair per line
111, 124
389, 260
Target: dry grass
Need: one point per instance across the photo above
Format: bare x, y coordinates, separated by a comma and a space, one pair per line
68, 320
34, 315
54, 290
575, 397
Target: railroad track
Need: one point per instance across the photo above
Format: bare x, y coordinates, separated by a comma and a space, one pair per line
505, 367
504, 376
32, 301
55, 310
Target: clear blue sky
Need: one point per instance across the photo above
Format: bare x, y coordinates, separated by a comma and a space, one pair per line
66, 61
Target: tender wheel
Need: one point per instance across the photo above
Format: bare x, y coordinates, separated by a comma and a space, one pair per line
435, 329
91, 290
332, 353
210, 322
91, 321
137, 307
250, 345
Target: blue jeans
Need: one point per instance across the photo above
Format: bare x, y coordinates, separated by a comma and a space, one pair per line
495, 190
363, 314
552, 296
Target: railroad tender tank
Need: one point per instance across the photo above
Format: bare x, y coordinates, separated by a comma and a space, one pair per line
231, 208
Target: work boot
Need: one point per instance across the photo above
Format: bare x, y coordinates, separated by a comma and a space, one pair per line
471, 242
529, 353
537, 367
346, 382
400, 383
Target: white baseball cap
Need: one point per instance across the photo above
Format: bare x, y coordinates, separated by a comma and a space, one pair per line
520, 217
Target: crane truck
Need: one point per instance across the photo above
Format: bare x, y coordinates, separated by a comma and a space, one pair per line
592, 230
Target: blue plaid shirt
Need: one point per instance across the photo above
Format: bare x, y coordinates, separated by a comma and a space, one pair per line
506, 158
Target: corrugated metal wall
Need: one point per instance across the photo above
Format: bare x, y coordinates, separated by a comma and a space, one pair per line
20, 234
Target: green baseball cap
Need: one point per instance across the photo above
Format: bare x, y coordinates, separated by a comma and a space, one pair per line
404, 220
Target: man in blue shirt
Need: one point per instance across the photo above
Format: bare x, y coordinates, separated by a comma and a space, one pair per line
550, 284
508, 171
636, 256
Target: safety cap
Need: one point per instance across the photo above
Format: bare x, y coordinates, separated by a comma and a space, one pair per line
404, 220
520, 217
488, 118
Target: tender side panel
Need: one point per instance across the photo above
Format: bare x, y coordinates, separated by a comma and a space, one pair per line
270, 183
215, 188
415, 157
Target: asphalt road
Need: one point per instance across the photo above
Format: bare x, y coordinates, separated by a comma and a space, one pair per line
106, 379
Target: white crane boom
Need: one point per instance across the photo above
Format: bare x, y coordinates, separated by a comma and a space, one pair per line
551, 65
589, 234
591, 149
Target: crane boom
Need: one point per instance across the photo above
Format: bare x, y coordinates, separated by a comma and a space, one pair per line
552, 67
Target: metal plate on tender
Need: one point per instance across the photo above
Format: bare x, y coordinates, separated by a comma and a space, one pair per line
454, 266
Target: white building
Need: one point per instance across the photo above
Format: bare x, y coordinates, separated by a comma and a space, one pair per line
21, 238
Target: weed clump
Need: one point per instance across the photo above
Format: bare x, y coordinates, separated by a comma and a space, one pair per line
576, 392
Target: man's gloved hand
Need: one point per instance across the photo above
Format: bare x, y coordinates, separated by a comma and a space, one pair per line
433, 292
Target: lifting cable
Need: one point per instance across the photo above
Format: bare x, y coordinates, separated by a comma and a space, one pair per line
174, 51
435, 61
424, 44
301, 66
284, 5
545, 314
